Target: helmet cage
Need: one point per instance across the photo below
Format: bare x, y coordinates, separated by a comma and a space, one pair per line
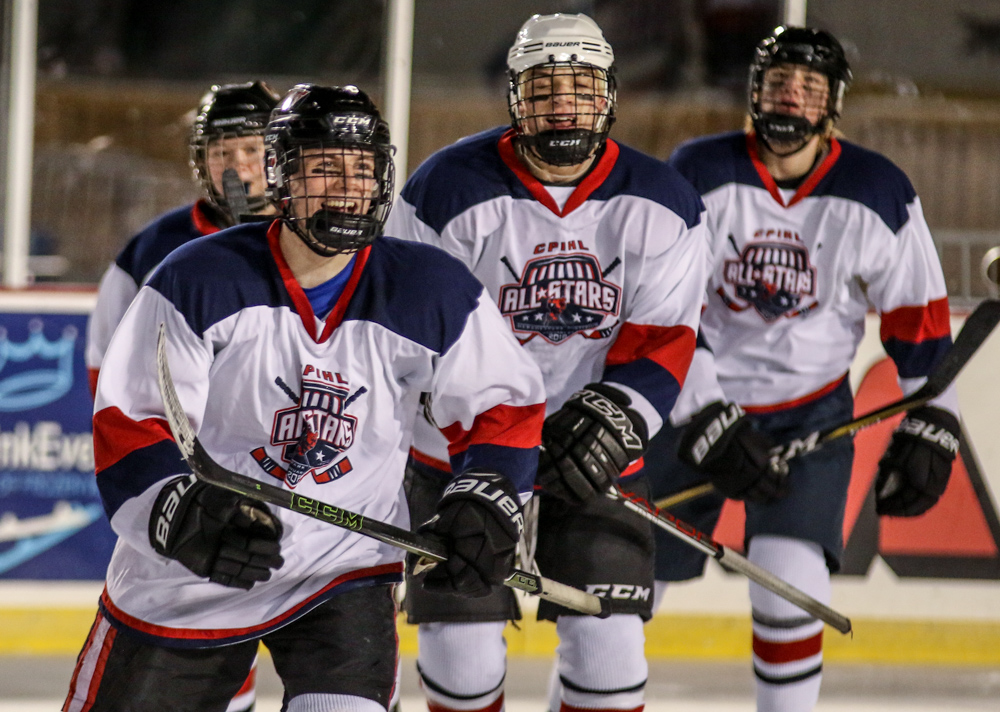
583, 118
355, 195
227, 113
815, 49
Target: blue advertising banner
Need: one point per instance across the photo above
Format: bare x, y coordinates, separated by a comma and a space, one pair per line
52, 523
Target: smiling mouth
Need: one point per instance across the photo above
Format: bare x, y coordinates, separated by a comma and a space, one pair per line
343, 205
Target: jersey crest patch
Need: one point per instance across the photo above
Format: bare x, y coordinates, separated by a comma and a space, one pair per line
773, 278
558, 296
315, 433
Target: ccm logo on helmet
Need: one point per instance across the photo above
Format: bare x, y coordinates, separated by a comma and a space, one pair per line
494, 494
170, 509
714, 431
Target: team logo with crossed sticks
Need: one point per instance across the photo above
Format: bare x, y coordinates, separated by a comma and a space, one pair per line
314, 433
773, 278
561, 295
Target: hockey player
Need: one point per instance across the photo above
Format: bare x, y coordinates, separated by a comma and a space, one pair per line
807, 231
300, 350
228, 132
595, 254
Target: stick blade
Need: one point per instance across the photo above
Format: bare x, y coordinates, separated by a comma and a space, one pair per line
236, 195
179, 425
977, 328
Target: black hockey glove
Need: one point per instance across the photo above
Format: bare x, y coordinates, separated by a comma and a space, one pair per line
479, 520
589, 442
913, 473
217, 534
724, 444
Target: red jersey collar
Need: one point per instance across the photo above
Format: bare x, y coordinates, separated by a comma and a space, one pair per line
807, 186
200, 218
299, 298
588, 185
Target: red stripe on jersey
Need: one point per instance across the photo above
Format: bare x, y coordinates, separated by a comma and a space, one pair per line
200, 218
807, 186
588, 185
808, 398
672, 347
299, 298
92, 374
565, 707
80, 660
916, 324
117, 435
494, 706
426, 459
162, 631
787, 652
507, 425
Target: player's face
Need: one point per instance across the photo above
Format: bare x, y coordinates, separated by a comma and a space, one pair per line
342, 180
795, 90
245, 155
561, 97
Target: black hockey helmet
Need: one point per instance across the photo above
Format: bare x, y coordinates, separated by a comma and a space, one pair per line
229, 111
548, 46
816, 49
336, 121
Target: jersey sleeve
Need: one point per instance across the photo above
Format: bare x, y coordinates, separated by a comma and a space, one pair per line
906, 285
488, 400
116, 292
134, 451
654, 348
406, 223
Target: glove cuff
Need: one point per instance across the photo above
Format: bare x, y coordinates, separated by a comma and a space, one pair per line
709, 432
612, 408
168, 511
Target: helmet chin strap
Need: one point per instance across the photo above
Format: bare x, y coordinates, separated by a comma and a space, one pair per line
548, 173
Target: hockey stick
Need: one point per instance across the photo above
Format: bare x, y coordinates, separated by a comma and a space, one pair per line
977, 328
729, 559
208, 470
236, 195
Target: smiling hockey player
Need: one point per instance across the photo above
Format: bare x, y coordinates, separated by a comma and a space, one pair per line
300, 350
595, 254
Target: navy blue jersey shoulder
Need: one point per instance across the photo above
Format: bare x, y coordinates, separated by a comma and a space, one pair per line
460, 176
155, 241
871, 179
215, 277
417, 291
710, 162
635, 173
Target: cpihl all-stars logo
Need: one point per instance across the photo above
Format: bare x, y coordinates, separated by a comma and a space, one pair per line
772, 276
315, 432
561, 295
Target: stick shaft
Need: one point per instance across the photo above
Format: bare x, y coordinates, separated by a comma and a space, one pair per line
732, 560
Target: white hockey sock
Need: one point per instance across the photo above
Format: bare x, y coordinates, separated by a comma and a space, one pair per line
462, 666
602, 664
788, 642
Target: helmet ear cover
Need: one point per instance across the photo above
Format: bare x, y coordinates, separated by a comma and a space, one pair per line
815, 49
226, 112
335, 121
554, 45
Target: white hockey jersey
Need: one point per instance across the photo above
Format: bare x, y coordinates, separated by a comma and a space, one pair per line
251, 363
607, 287
794, 273
130, 270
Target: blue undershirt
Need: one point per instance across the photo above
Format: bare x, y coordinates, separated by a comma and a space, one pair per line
323, 297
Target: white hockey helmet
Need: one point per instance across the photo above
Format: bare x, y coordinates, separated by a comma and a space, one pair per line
547, 47
559, 38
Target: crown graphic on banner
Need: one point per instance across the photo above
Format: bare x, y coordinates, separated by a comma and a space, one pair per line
34, 387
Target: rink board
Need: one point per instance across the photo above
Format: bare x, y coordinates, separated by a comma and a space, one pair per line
918, 591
